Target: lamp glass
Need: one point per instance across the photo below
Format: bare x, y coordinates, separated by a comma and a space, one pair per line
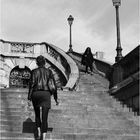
116, 2
70, 19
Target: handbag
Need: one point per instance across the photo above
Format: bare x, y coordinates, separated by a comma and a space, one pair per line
28, 125
52, 86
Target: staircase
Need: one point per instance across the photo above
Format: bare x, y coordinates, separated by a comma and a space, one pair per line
88, 113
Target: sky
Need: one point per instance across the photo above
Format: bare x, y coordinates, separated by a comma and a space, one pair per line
94, 24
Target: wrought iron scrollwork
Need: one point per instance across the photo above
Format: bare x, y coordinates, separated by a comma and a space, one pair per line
21, 48
19, 77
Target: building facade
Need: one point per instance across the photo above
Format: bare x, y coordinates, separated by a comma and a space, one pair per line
17, 59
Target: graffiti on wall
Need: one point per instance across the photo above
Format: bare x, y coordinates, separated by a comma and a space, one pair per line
19, 77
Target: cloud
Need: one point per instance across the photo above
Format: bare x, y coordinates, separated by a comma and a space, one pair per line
130, 38
94, 23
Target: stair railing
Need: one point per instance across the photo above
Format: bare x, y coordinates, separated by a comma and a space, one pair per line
124, 79
70, 67
99, 66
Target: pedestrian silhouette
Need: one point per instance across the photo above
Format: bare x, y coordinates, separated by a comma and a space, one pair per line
87, 60
40, 94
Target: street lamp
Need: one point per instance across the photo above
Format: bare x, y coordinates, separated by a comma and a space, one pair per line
119, 56
70, 21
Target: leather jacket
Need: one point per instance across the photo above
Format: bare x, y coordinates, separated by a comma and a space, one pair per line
39, 80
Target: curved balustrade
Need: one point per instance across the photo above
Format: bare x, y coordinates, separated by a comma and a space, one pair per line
55, 52
68, 63
55, 56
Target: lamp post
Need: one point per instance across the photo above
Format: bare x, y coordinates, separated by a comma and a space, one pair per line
119, 56
70, 21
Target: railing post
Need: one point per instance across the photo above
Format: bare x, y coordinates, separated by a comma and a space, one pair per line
117, 74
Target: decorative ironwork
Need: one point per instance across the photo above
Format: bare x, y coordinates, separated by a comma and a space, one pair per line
19, 77
21, 48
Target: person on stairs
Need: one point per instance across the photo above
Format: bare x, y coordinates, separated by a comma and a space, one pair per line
40, 95
87, 60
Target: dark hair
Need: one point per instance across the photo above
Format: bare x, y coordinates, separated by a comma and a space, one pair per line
88, 50
40, 60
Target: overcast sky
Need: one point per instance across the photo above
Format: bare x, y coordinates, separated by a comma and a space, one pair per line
94, 24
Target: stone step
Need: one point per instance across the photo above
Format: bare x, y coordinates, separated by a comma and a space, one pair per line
89, 117
77, 121
89, 113
63, 105
51, 120
71, 130
57, 110
61, 94
74, 136
82, 100
70, 112
24, 96
5, 134
66, 106
73, 100
25, 91
112, 114
20, 138
64, 117
78, 108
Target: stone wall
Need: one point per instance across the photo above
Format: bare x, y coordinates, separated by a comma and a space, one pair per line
124, 79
